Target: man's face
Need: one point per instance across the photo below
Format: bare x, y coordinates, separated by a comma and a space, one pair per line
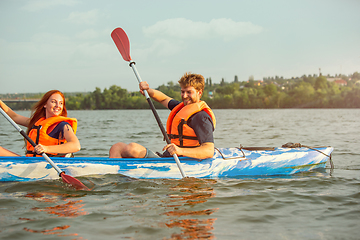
190, 95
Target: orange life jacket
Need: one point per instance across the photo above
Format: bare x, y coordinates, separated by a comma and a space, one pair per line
177, 129
38, 134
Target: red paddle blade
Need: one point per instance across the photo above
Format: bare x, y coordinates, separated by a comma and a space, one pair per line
121, 41
73, 182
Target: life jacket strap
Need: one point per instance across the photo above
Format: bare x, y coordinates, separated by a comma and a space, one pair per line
37, 128
181, 136
175, 136
180, 131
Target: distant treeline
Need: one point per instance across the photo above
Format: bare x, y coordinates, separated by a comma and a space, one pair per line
277, 92
273, 92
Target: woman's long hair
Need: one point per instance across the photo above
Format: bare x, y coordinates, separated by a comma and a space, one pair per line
38, 111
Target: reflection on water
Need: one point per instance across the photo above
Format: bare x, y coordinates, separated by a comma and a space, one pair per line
67, 208
54, 231
194, 224
176, 208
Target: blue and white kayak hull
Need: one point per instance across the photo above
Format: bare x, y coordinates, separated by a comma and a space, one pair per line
227, 162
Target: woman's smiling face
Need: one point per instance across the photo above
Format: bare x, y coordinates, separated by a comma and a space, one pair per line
54, 105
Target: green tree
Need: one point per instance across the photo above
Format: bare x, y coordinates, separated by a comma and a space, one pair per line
356, 76
302, 94
98, 98
222, 83
321, 83
270, 89
236, 79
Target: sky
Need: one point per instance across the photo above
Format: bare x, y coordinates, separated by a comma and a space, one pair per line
66, 44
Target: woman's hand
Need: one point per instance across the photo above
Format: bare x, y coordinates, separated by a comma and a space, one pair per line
39, 149
71, 146
19, 119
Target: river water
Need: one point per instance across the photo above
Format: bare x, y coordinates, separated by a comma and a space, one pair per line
318, 205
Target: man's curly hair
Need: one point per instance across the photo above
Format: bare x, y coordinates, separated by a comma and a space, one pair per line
194, 80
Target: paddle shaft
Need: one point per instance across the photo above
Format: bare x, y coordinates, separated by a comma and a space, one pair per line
30, 140
158, 120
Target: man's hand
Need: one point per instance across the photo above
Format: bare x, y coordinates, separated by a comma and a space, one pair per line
205, 150
173, 149
144, 86
154, 94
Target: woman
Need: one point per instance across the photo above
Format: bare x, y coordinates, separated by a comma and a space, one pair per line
49, 127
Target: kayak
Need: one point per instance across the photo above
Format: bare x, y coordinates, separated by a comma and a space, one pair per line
226, 162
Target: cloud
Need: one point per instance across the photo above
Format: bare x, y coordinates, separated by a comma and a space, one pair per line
87, 34
228, 29
181, 28
172, 36
37, 5
87, 18
160, 47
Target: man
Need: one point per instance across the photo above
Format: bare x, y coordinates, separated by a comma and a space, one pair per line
190, 124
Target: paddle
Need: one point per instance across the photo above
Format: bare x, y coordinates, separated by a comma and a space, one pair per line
121, 41
66, 178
